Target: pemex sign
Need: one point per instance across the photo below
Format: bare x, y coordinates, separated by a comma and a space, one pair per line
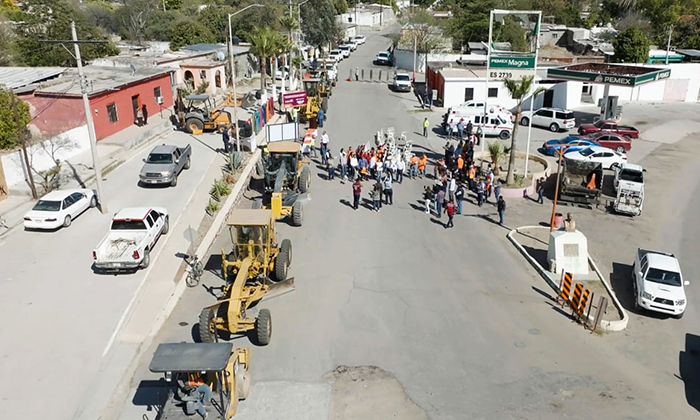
501, 62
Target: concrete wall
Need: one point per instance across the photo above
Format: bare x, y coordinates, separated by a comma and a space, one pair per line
13, 164
203, 74
404, 59
122, 100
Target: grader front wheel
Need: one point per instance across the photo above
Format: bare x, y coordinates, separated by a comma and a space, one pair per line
263, 327
207, 327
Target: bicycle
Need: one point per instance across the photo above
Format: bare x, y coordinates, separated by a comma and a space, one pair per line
196, 270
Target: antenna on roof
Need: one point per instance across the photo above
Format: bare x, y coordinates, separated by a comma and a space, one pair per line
133, 69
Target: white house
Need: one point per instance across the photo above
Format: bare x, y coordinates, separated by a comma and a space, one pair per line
368, 15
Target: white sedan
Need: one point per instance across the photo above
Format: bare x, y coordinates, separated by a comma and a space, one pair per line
606, 157
360, 39
59, 208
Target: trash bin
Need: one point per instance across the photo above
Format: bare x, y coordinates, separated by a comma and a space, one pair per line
558, 217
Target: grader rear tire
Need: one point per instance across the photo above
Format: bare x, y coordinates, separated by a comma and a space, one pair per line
324, 104
297, 215
263, 327
281, 265
207, 328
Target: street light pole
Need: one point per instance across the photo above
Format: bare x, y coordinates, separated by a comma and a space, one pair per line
90, 124
233, 73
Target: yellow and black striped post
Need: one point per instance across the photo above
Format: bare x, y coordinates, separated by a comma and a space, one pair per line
565, 286
584, 302
576, 297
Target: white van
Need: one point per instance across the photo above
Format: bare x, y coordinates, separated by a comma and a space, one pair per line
494, 124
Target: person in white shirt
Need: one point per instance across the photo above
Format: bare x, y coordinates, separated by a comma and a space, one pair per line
452, 187
324, 146
373, 166
343, 157
400, 167
380, 169
394, 166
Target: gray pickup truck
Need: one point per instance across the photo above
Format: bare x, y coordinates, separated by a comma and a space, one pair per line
164, 164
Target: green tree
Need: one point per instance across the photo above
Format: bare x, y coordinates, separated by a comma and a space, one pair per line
422, 28
172, 4
518, 90
631, 46
7, 46
265, 43
8, 5
245, 23
9, 132
470, 22
160, 24
216, 20
50, 20
133, 17
687, 33
341, 6
319, 24
187, 32
511, 31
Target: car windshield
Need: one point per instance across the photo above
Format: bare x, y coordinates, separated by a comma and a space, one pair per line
160, 158
45, 205
403, 77
128, 225
599, 123
587, 152
669, 278
632, 176
383, 54
329, 67
596, 135
344, 47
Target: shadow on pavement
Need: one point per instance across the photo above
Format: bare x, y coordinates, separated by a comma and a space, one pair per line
540, 255
439, 222
151, 394
689, 368
213, 265
621, 282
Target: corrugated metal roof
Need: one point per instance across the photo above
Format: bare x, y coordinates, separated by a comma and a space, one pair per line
689, 52
16, 77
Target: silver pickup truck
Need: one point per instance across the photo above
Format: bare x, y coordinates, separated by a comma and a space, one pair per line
164, 164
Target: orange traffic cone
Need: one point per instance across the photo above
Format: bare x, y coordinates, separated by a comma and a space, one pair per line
349, 79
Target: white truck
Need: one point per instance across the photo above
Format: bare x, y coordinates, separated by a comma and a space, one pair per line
658, 283
629, 186
132, 235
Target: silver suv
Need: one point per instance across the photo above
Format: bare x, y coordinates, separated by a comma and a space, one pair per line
556, 119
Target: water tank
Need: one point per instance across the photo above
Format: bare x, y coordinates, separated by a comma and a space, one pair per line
220, 56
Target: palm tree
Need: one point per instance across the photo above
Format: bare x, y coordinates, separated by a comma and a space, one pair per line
264, 44
518, 91
289, 24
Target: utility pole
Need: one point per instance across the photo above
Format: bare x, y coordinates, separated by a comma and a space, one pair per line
668, 45
415, 53
21, 135
90, 124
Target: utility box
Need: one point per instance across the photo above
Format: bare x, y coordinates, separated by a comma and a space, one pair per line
568, 251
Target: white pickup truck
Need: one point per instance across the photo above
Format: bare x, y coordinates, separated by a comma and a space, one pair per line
629, 186
658, 283
132, 235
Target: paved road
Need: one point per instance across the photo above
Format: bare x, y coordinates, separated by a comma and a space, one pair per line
59, 314
456, 316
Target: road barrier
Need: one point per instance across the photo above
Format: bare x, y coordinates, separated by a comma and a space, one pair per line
576, 297
565, 287
602, 307
584, 302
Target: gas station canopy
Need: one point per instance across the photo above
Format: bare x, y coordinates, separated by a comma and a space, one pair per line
609, 74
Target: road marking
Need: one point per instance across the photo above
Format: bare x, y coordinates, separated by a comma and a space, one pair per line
117, 329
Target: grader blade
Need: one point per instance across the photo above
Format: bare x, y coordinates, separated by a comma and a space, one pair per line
279, 288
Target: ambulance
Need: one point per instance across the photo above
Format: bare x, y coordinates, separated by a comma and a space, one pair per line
497, 122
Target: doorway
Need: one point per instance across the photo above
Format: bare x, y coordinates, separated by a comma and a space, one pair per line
548, 98
135, 104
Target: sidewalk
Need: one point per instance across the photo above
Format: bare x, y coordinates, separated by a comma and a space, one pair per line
77, 172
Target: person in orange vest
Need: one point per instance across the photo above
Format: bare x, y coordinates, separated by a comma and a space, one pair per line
413, 166
470, 177
421, 165
201, 391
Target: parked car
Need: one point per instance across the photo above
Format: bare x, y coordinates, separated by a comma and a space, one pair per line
658, 283
336, 55
332, 71
131, 238
568, 144
354, 43
383, 59
612, 141
360, 39
164, 164
345, 49
606, 157
555, 119
629, 188
283, 73
402, 82
610, 127
58, 208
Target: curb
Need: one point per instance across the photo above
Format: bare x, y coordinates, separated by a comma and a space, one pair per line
608, 326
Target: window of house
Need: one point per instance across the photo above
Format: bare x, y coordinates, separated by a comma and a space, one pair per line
468, 94
112, 113
203, 74
493, 92
156, 92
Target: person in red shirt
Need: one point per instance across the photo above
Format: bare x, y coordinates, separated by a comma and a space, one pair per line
356, 191
450, 210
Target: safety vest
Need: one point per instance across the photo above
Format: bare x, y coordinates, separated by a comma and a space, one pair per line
195, 379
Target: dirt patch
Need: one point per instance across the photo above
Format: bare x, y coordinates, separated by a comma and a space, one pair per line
368, 392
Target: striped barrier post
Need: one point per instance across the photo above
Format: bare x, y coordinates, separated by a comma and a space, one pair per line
379, 79
576, 297
565, 287
363, 75
583, 303
370, 74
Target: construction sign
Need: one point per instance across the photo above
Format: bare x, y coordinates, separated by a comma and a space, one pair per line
294, 99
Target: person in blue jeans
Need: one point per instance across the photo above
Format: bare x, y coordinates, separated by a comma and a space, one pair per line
459, 196
320, 117
501, 210
439, 199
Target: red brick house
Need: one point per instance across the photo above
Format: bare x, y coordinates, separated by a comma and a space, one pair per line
114, 94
